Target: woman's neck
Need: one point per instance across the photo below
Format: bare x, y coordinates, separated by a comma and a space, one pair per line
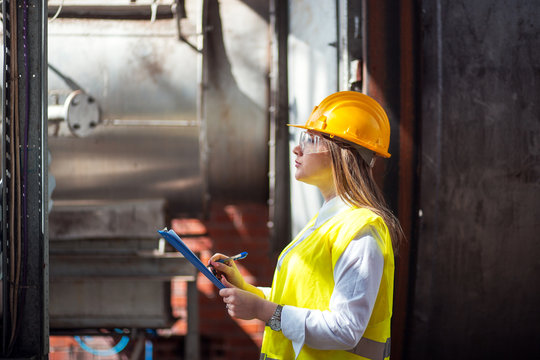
328, 193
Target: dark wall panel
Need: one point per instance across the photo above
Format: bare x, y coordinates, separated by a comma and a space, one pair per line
476, 294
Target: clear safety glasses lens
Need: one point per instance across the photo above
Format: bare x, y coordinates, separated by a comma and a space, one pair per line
311, 143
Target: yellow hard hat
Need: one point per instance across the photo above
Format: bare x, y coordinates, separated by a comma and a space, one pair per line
354, 117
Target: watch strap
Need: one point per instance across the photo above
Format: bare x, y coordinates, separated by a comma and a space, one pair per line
275, 321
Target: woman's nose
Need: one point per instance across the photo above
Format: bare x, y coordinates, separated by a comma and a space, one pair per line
297, 150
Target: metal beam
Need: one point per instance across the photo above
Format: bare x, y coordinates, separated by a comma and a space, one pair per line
145, 265
99, 11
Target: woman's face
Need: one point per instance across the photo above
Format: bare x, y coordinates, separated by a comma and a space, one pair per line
314, 168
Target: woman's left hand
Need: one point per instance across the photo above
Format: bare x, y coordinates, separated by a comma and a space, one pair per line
245, 305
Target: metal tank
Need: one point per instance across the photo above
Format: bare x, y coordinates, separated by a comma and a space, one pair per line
182, 101
143, 140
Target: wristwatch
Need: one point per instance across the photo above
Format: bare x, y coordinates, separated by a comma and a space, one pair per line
275, 321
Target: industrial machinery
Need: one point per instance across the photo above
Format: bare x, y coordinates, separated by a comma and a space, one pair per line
126, 130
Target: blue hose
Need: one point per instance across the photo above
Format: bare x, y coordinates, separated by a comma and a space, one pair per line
121, 345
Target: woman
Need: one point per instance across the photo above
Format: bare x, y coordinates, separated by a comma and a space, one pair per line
331, 296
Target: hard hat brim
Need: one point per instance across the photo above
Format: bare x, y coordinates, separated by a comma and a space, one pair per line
385, 154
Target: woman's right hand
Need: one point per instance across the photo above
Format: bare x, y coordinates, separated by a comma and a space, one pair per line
229, 270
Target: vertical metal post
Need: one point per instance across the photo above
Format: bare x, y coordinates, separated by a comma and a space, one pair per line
343, 60
387, 47
351, 29
42, 74
192, 349
24, 221
279, 196
202, 79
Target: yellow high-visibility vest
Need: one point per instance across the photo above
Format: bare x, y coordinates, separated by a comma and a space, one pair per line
306, 279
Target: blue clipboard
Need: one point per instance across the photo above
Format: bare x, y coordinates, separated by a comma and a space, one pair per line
179, 245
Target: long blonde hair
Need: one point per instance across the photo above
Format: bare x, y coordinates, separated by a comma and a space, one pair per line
353, 178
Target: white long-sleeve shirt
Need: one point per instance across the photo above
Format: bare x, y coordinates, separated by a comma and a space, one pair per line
357, 276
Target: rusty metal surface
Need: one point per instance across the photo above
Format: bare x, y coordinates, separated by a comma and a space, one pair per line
476, 294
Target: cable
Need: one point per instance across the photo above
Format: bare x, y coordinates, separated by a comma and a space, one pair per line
57, 12
23, 264
19, 301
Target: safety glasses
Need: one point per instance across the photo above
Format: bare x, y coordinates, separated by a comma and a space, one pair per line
311, 143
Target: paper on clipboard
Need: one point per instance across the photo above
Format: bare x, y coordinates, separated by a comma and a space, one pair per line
179, 245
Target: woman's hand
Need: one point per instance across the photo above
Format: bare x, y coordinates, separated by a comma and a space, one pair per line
246, 305
229, 270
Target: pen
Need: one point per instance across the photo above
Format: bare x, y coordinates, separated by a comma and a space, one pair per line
235, 257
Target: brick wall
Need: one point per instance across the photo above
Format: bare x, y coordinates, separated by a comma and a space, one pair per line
229, 229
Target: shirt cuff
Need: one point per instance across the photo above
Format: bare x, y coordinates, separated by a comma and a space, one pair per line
293, 326
265, 290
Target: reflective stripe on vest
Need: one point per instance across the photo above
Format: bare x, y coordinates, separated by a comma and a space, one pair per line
373, 350
366, 348
265, 357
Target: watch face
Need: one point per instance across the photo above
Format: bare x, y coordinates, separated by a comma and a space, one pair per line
275, 324
275, 321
